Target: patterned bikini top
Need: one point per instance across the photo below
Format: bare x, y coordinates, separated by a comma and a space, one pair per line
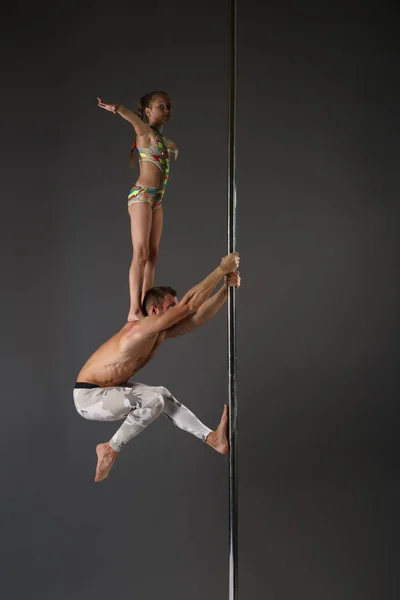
158, 153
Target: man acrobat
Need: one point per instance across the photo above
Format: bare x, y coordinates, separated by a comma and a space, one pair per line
102, 391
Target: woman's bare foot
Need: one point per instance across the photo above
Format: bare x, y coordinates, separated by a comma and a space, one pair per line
219, 439
135, 316
105, 459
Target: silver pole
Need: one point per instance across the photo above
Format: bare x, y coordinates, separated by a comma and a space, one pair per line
233, 478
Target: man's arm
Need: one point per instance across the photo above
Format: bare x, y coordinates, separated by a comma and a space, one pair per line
206, 311
192, 300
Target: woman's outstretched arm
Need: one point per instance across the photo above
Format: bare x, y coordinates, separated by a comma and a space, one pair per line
141, 128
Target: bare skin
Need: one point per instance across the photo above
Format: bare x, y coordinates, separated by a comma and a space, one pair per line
106, 456
146, 225
218, 439
126, 352
146, 230
105, 460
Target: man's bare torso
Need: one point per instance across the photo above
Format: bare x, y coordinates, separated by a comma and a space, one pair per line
120, 357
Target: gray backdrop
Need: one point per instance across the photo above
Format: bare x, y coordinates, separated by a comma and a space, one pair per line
317, 157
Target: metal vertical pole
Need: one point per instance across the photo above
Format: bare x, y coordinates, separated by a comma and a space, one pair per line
233, 479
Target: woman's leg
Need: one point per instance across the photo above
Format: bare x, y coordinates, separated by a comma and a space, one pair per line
154, 243
141, 225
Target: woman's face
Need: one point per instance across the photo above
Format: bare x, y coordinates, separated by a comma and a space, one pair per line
160, 110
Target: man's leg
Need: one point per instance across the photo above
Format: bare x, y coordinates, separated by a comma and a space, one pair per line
139, 404
183, 418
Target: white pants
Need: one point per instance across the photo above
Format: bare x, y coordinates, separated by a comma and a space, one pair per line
139, 405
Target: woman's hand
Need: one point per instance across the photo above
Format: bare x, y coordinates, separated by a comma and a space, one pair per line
107, 105
141, 128
174, 148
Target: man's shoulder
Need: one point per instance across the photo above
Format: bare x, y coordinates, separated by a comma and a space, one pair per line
129, 325
131, 328
137, 329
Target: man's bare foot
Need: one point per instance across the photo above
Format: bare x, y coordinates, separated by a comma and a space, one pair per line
219, 439
105, 459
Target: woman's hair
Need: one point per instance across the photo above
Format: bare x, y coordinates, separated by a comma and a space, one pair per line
145, 102
155, 296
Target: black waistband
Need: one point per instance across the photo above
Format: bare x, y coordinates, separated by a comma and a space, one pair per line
84, 384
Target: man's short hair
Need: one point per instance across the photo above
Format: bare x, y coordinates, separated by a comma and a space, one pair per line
155, 296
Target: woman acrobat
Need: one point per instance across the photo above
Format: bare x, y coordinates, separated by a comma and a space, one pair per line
146, 196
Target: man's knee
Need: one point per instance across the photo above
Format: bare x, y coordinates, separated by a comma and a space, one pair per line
157, 403
164, 393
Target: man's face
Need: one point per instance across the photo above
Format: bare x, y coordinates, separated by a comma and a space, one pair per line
168, 302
